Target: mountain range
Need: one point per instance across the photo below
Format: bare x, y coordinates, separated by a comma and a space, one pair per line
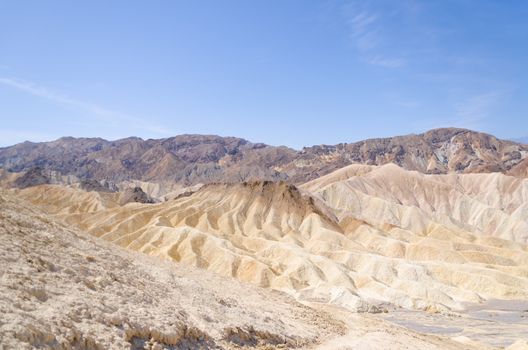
193, 159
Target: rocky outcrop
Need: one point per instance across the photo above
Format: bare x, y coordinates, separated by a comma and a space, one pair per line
90, 185
134, 194
33, 177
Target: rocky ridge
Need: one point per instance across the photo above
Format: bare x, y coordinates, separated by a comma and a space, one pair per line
193, 159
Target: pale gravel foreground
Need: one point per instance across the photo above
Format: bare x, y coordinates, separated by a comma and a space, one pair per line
63, 289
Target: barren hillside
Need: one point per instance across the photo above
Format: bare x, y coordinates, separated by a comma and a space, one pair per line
63, 289
363, 237
193, 159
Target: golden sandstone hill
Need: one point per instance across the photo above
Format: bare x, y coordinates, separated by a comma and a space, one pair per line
362, 237
63, 289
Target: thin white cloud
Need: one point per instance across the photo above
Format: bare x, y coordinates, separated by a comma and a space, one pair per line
408, 104
385, 62
478, 107
100, 112
365, 32
361, 24
471, 112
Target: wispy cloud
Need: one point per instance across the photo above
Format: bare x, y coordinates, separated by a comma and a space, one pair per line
476, 108
100, 112
362, 29
366, 33
408, 104
471, 112
385, 61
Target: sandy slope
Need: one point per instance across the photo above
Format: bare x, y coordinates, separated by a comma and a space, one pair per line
485, 204
448, 238
60, 288
63, 289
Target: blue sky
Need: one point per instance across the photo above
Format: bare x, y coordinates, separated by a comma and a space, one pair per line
283, 72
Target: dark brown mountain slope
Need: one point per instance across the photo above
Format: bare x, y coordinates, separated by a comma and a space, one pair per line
186, 159
191, 159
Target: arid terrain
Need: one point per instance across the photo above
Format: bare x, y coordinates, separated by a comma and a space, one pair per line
415, 242
194, 159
